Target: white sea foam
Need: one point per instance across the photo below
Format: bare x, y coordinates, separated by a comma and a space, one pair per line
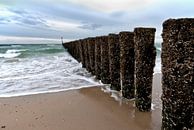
14, 51
51, 73
9, 55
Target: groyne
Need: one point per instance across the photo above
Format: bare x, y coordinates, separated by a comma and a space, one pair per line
112, 59
126, 60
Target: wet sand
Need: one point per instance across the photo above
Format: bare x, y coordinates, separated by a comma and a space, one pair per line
84, 109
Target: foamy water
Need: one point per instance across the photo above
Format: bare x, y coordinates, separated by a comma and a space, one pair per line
51, 72
33, 69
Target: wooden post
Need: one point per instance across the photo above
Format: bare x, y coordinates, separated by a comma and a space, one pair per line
178, 74
77, 51
127, 64
145, 54
105, 74
97, 58
82, 56
86, 56
91, 52
114, 61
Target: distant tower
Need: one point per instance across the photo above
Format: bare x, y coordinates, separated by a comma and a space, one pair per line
62, 40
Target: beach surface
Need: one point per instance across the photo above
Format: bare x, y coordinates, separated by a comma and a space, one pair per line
83, 109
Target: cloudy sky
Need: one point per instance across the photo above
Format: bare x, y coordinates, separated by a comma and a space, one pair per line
48, 20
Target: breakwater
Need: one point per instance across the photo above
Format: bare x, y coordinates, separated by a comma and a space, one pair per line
118, 60
126, 61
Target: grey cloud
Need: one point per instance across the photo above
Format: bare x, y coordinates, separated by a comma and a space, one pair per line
4, 20
23, 17
35, 14
76, 13
18, 11
90, 26
21, 31
117, 14
30, 20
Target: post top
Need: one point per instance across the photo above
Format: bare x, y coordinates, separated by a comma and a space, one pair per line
144, 29
125, 33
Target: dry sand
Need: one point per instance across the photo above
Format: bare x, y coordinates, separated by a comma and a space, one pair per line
84, 109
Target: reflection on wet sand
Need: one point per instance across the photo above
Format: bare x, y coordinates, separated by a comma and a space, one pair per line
125, 111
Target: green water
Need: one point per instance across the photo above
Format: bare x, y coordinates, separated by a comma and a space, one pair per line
30, 50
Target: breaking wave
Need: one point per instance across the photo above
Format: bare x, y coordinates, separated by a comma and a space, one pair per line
11, 53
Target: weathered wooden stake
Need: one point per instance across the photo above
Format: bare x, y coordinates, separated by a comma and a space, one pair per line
114, 61
145, 54
91, 52
105, 74
86, 56
127, 64
82, 56
98, 58
77, 51
178, 74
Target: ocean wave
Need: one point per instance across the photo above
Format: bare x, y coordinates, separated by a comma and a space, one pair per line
15, 45
9, 55
15, 51
50, 50
12, 53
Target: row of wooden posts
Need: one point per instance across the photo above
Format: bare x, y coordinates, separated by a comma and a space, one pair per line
119, 60
126, 61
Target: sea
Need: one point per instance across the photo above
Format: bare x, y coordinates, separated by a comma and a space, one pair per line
27, 69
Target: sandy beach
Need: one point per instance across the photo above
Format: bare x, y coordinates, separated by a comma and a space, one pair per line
84, 109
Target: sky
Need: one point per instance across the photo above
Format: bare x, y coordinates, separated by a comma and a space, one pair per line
36, 21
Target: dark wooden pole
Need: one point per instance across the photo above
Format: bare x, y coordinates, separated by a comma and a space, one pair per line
98, 58
86, 56
114, 61
145, 54
127, 64
105, 74
178, 74
91, 52
82, 56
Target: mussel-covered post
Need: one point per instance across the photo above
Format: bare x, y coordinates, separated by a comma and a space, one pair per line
105, 75
81, 51
77, 51
97, 57
69, 47
72, 49
114, 61
178, 74
91, 52
65, 45
87, 42
86, 56
127, 64
145, 54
